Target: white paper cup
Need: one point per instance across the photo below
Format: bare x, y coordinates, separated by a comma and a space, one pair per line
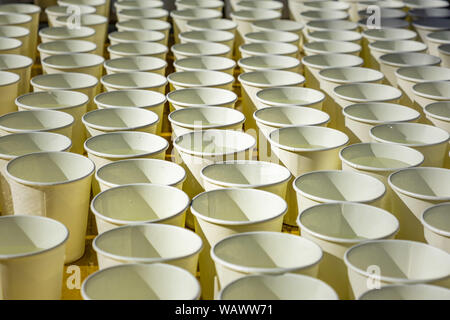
277, 287
212, 24
432, 91
139, 203
217, 36
390, 62
186, 50
425, 26
147, 244
325, 25
200, 78
141, 282
10, 46
398, 262
444, 54
247, 174
204, 4
438, 113
418, 13
137, 36
252, 5
348, 94
264, 253
199, 97
55, 11
55, 185
119, 119
136, 64
425, 4
66, 33
72, 81
379, 160
337, 186
20, 65
334, 35
204, 118
245, 18
436, 225
270, 62
325, 5
18, 33
32, 257
213, 63
101, 6
289, 96
65, 47
272, 36
145, 99
322, 15
134, 4
253, 82
9, 87
70, 102
407, 292
145, 24
134, 80
268, 48
131, 171
142, 13
151, 49
315, 63
435, 39
360, 118
407, 77
321, 47
296, 7
429, 140
417, 189
223, 212
180, 17
335, 227
23, 21
91, 64
18, 144
36, 120
108, 147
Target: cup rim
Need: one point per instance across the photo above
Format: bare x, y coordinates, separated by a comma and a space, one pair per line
421, 47
33, 8
50, 92
386, 278
409, 124
124, 258
150, 123
356, 100
433, 115
264, 15
296, 149
296, 63
88, 32
123, 24
208, 219
104, 79
212, 154
143, 185
184, 104
214, 75
138, 91
125, 156
430, 96
320, 96
298, 25
41, 251
163, 64
139, 265
413, 194
49, 184
281, 125
341, 44
399, 72
115, 36
362, 69
41, 47
154, 51
440, 232
321, 236
376, 122
267, 270
91, 56
205, 127
16, 43
15, 78
232, 63
377, 169
118, 162
26, 61
291, 49
336, 55
243, 185
220, 48
324, 200
15, 113
242, 80
383, 58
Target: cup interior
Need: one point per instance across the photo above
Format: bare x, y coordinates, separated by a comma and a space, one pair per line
64, 80
35, 120
200, 78
135, 203
291, 116
134, 80
329, 60
201, 96
380, 112
271, 78
351, 74
205, 117
407, 292
367, 92
269, 62
136, 63
129, 98
58, 99
409, 134
205, 63
120, 118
